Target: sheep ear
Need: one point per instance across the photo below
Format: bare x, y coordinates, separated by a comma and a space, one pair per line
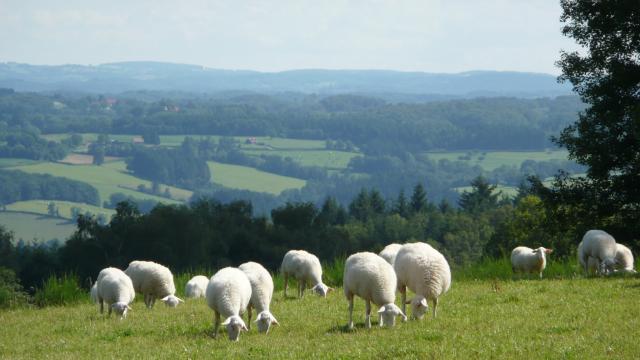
243, 327
423, 302
129, 308
164, 299
226, 322
381, 310
180, 300
274, 321
330, 290
548, 251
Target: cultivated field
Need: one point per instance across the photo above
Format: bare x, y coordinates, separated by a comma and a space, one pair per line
549, 319
490, 160
41, 207
30, 226
330, 159
248, 178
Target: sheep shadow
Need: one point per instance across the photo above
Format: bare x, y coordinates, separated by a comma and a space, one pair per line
344, 329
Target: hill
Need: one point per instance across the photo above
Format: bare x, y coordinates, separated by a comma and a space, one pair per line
154, 76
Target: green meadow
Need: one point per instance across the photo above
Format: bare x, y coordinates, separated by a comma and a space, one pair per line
248, 178
330, 159
489, 160
41, 207
27, 226
568, 318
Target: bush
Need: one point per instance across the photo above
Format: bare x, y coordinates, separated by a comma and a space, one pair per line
11, 293
60, 291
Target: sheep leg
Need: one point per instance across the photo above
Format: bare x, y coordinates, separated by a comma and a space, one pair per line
109, 313
350, 298
286, 281
146, 300
249, 317
152, 301
301, 286
367, 318
101, 306
403, 293
216, 324
435, 307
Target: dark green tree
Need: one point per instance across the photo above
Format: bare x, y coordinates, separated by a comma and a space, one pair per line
98, 155
419, 199
401, 207
378, 205
482, 196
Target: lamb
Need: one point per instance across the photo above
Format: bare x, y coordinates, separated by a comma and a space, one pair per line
228, 294
153, 281
426, 272
527, 260
196, 287
115, 288
389, 252
306, 268
373, 279
597, 245
261, 294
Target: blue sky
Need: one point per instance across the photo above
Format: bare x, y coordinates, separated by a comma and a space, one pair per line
411, 35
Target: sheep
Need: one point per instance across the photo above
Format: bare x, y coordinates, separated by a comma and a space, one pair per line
153, 281
527, 260
373, 279
261, 294
93, 293
389, 252
228, 294
305, 268
115, 288
624, 259
424, 271
196, 287
599, 246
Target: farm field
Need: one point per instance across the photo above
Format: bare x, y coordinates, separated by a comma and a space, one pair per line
107, 179
330, 159
534, 319
40, 207
490, 160
248, 178
30, 226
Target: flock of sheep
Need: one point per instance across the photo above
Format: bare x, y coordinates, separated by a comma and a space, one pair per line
375, 278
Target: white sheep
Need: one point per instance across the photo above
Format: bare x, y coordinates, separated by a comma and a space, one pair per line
624, 259
426, 272
389, 253
114, 288
261, 294
93, 293
598, 246
196, 287
228, 294
527, 260
373, 279
153, 281
305, 268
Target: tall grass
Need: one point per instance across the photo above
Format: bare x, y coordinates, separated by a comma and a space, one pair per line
488, 269
64, 290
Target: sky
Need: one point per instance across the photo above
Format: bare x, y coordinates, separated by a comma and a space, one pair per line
407, 35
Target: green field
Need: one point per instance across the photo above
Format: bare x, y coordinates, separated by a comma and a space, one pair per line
490, 160
12, 162
30, 226
330, 159
549, 319
40, 207
509, 191
247, 178
107, 179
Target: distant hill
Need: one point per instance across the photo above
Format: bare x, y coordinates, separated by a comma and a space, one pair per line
131, 76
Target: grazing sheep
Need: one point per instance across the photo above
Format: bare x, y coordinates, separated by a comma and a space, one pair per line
305, 268
624, 259
153, 281
599, 246
93, 293
424, 271
115, 288
228, 294
389, 253
196, 287
261, 294
373, 279
527, 260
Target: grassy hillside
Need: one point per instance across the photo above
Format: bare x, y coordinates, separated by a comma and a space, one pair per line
490, 160
324, 158
247, 178
546, 319
30, 226
64, 208
107, 179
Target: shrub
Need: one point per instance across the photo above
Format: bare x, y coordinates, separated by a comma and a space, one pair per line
63, 290
11, 293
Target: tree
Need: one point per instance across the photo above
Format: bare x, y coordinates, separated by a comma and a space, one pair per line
480, 198
51, 209
418, 199
151, 138
401, 207
606, 137
98, 155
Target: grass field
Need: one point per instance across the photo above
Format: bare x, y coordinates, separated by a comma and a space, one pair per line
549, 319
330, 159
247, 178
12, 162
510, 191
64, 207
107, 179
490, 160
29, 226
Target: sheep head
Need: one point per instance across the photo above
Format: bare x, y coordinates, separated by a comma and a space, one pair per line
171, 300
388, 314
120, 308
265, 320
419, 306
234, 325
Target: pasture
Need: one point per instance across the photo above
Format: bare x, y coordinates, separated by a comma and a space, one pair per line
490, 160
248, 178
570, 318
41, 207
330, 159
28, 227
